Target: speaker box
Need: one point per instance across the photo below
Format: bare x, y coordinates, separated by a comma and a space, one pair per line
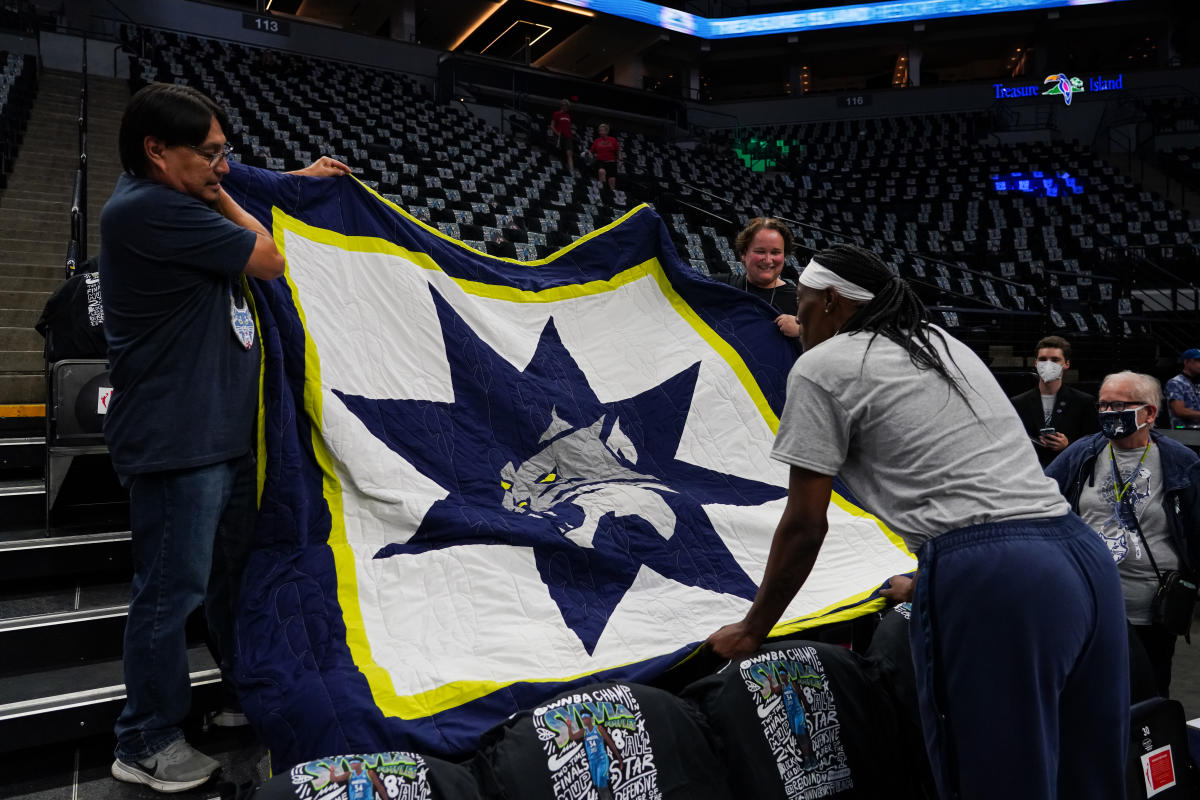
80, 390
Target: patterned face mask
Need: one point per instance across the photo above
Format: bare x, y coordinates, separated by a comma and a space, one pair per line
1119, 424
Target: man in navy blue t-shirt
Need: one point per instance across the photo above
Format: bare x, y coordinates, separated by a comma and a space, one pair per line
184, 363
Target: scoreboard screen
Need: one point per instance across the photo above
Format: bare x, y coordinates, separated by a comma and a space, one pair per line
814, 18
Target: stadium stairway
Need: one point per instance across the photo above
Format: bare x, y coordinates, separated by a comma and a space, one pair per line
64, 579
64, 590
35, 219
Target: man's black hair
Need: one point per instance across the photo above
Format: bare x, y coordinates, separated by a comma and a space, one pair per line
178, 115
895, 312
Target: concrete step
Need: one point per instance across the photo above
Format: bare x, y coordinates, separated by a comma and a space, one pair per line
46, 195
22, 389
59, 206
52, 240
52, 269
29, 265
21, 213
65, 167
19, 338
35, 252
52, 228
57, 233
43, 137
33, 179
17, 264
16, 242
61, 170
32, 300
22, 487
53, 104
48, 269
17, 318
47, 706
22, 361
64, 155
30, 285
37, 214
62, 556
50, 273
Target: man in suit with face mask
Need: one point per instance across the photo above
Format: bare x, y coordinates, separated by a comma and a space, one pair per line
1054, 415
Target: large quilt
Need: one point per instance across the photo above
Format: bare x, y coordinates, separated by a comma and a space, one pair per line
484, 481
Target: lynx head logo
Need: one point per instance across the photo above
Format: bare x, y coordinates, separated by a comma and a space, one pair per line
590, 471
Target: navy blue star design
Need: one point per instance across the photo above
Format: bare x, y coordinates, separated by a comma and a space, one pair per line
500, 416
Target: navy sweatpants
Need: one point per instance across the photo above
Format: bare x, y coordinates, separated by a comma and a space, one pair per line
1021, 654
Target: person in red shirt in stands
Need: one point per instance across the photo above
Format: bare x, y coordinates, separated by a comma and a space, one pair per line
607, 151
560, 129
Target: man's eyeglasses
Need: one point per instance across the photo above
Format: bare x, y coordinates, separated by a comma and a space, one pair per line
212, 158
1117, 405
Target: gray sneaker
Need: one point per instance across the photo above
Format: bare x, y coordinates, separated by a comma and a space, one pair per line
176, 768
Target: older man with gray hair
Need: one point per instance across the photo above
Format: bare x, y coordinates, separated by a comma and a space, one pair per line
1141, 492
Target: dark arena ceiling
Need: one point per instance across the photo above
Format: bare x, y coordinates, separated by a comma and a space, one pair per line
1127, 34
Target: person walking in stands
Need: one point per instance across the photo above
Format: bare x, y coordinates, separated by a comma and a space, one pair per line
1141, 492
607, 152
1018, 636
1183, 392
184, 362
564, 139
1054, 415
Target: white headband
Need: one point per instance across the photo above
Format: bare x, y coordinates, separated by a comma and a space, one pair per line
818, 277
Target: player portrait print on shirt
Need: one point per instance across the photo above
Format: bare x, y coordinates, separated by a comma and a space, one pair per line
380, 776
799, 720
1120, 528
597, 746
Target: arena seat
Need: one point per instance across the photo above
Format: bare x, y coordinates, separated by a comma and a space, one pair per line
943, 204
18, 85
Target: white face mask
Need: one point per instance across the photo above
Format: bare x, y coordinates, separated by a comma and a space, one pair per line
1049, 371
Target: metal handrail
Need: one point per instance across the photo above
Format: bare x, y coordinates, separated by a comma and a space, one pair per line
703, 211
76, 252
77, 246
859, 240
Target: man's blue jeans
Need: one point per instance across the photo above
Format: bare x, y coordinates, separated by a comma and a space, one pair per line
191, 531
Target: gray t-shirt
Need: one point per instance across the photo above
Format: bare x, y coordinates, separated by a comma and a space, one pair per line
907, 445
1048, 408
1099, 508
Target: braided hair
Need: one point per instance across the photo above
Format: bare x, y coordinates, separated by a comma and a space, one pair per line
896, 313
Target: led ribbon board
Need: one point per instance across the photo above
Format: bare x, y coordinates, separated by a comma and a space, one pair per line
813, 19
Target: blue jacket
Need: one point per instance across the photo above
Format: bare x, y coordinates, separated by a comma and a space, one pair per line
1181, 487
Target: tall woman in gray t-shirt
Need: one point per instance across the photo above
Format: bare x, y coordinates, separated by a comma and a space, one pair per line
1018, 630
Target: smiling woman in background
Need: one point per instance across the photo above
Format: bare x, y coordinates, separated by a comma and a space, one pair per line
762, 246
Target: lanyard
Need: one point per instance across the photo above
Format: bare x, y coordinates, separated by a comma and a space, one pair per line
1121, 487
